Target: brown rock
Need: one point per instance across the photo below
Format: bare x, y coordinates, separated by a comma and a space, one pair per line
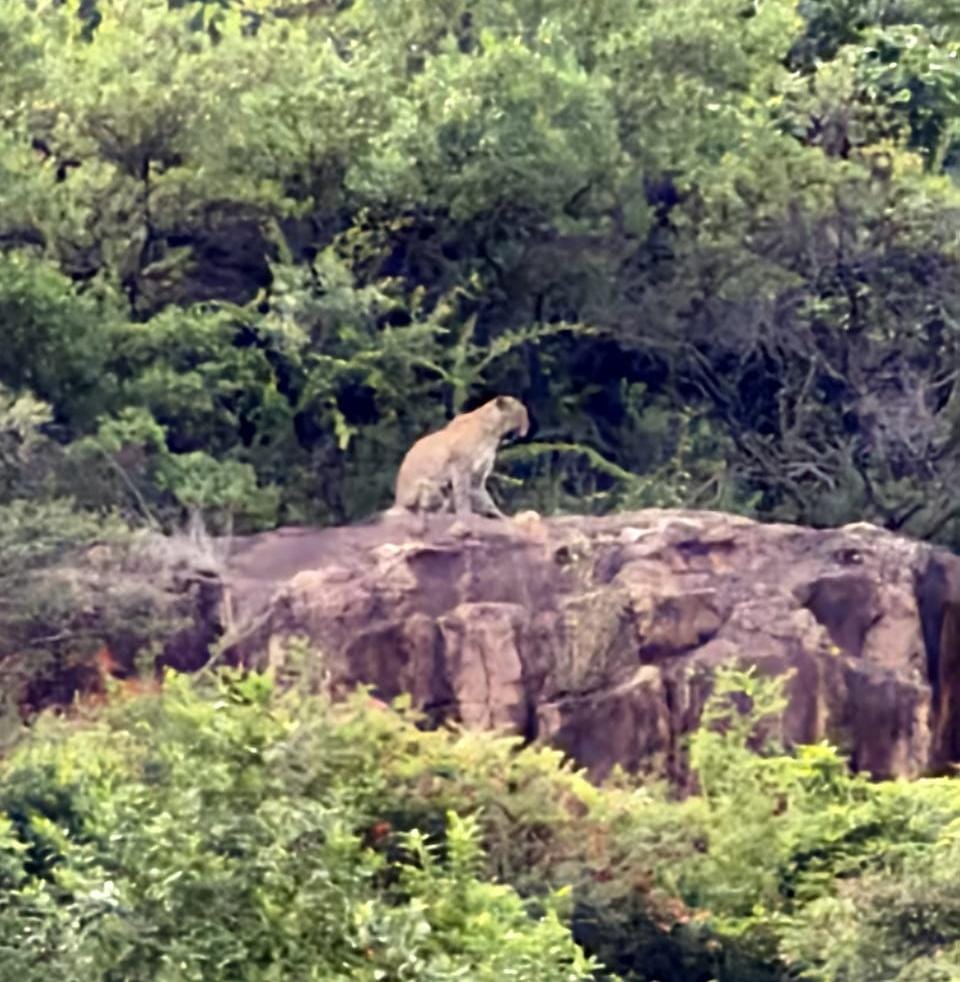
600, 635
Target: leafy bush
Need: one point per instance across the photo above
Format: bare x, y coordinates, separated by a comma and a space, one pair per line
225, 828
227, 834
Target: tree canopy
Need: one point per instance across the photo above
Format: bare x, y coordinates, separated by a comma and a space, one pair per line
251, 250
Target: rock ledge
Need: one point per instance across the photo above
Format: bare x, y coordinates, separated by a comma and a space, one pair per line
600, 635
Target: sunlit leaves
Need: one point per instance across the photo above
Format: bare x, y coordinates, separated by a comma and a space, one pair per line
218, 834
474, 131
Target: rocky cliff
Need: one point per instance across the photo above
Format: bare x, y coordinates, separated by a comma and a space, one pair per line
600, 635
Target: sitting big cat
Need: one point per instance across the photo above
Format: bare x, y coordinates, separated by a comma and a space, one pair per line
451, 466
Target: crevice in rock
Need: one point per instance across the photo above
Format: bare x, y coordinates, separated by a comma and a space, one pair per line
851, 613
939, 610
846, 606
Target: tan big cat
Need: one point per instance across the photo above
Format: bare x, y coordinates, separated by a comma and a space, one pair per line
451, 466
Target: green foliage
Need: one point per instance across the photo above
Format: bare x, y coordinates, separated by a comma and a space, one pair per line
227, 828
55, 340
795, 845
250, 252
480, 128
219, 834
711, 245
48, 596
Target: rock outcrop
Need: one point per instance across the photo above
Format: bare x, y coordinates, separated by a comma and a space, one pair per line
600, 635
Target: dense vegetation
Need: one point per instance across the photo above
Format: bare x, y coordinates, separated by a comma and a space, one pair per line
252, 249
226, 830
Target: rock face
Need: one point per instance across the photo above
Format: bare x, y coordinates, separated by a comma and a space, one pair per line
600, 635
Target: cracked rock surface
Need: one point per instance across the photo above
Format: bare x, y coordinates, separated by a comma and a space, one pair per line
600, 635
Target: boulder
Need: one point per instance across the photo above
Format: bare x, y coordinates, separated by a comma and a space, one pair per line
601, 635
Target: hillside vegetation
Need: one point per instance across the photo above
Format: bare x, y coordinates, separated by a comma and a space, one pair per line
251, 250
225, 829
